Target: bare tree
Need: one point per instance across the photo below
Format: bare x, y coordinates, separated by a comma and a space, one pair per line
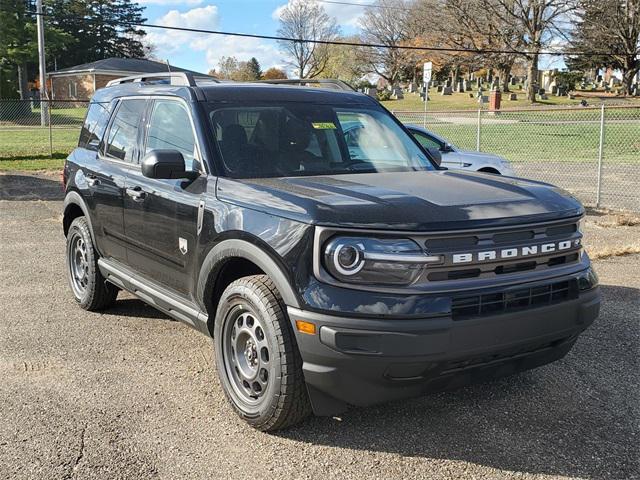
612, 26
387, 23
539, 22
306, 20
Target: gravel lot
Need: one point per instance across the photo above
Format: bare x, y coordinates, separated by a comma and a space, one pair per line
131, 394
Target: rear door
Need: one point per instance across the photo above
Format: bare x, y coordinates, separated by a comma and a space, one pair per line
103, 169
160, 216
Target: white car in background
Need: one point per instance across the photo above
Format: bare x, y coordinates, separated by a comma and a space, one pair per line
454, 158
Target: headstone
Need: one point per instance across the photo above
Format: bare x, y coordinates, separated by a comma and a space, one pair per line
513, 81
478, 82
513, 97
448, 83
397, 94
467, 86
439, 88
484, 98
635, 90
543, 96
554, 90
412, 87
371, 91
460, 86
562, 91
541, 91
446, 90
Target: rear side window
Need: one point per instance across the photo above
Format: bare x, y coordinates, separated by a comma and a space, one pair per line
122, 141
94, 126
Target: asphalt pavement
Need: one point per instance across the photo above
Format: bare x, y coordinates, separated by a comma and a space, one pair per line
130, 394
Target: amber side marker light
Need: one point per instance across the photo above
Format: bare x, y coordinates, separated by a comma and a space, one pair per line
306, 327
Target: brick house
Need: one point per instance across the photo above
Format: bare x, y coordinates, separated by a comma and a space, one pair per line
81, 81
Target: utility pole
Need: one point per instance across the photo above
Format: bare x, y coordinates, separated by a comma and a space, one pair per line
43, 74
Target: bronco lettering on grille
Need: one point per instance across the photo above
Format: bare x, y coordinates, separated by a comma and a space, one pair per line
512, 253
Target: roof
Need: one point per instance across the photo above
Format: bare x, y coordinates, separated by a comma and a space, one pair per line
118, 66
233, 92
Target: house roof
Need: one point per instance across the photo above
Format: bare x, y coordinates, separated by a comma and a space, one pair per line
117, 66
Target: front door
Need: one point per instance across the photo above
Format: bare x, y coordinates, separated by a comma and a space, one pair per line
160, 216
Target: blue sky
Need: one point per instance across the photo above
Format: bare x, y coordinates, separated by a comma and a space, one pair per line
201, 52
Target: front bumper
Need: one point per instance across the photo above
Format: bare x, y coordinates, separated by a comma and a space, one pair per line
364, 361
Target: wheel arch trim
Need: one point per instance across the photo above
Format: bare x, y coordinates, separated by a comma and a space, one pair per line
74, 198
238, 248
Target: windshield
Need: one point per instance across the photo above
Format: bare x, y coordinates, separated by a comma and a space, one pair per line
308, 139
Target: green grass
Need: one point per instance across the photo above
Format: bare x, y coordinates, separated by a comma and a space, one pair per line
461, 101
29, 142
32, 164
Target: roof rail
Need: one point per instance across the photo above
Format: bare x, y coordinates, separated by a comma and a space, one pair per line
184, 79
310, 82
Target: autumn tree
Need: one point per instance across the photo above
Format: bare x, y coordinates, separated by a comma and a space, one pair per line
306, 21
274, 73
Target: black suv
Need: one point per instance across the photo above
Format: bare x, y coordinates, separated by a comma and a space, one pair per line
330, 258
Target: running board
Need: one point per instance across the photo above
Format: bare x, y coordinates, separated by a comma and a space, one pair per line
154, 295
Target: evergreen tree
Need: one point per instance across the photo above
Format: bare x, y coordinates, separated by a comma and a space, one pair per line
102, 29
253, 69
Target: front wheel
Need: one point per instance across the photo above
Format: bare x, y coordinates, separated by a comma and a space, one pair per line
87, 283
257, 357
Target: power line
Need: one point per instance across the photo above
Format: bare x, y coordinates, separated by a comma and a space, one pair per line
350, 43
365, 5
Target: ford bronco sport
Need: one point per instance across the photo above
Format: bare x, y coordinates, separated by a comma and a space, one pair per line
329, 269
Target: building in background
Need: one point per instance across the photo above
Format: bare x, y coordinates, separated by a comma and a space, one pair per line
81, 81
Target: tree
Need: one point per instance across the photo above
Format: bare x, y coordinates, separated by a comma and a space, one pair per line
230, 68
19, 47
102, 29
306, 20
612, 26
386, 23
345, 62
253, 69
538, 22
274, 74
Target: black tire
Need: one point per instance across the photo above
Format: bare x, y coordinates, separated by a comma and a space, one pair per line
251, 314
87, 283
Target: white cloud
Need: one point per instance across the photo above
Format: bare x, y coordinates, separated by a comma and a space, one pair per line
243, 48
170, 2
172, 40
345, 15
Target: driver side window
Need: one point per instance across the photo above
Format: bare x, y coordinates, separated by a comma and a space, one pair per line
170, 129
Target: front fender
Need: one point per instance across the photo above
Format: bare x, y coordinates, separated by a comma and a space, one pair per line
237, 248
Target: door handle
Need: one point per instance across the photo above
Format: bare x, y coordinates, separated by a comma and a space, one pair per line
92, 180
136, 193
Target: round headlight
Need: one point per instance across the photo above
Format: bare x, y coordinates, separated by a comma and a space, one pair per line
348, 259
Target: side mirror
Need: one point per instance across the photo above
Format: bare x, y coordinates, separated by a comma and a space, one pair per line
446, 148
165, 164
436, 155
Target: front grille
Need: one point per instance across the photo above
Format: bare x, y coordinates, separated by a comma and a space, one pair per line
473, 306
485, 249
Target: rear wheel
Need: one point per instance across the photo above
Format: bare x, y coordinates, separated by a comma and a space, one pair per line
87, 283
256, 355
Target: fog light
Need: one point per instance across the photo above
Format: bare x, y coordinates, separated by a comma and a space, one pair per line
306, 327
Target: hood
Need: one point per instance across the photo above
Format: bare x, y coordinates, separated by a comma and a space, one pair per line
415, 201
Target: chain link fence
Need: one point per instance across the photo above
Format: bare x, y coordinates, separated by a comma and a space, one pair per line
31, 129
593, 152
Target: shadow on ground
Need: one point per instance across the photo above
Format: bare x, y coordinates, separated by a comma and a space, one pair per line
562, 419
30, 187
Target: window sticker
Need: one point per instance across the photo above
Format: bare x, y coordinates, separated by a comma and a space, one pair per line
324, 125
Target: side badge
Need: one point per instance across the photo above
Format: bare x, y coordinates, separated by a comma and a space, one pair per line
182, 244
